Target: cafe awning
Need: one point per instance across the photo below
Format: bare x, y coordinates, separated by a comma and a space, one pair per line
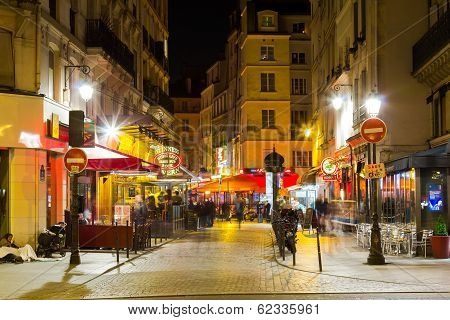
239, 183
246, 182
432, 158
101, 158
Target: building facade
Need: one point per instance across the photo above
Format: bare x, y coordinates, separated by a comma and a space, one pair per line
362, 49
51, 49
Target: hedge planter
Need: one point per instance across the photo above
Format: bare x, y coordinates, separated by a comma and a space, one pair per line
440, 246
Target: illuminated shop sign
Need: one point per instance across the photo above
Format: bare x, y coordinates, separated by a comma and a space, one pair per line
168, 158
328, 166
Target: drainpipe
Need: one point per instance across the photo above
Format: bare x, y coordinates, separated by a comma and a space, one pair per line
37, 48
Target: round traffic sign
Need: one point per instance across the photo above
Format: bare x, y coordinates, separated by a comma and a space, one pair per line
373, 130
75, 160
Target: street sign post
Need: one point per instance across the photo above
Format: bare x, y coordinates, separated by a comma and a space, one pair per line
373, 130
75, 161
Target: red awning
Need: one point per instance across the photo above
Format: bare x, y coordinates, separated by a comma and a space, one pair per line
247, 182
101, 158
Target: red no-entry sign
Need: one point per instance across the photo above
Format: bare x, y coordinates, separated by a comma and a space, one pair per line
373, 130
75, 160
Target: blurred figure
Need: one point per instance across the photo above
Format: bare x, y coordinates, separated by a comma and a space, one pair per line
176, 199
140, 210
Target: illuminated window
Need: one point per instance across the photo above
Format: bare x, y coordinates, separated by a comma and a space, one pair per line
51, 74
267, 21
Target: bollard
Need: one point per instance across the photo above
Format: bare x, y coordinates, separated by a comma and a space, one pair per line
135, 238
128, 241
117, 242
318, 250
283, 245
150, 234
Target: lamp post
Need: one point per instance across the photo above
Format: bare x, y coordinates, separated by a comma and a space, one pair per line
373, 105
86, 92
273, 164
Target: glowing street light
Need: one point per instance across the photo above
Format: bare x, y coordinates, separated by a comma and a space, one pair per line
308, 132
111, 131
373, 105
337, 102
86, 92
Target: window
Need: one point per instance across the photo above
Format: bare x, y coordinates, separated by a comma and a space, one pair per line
298, 27
268, 119
267, 21
185, 125
267, 82
72, 21
6, 57
301, 158
52, 8
267, 53
298, 117
299, 86
134, 10
184, 105
51, 74
298, 58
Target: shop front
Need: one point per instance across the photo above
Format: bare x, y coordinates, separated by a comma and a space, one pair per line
415, 190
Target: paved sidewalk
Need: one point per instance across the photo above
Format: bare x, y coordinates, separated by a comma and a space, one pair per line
57, 277
341, 257
226, 262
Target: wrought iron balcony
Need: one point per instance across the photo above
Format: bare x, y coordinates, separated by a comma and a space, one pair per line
436, 38
99, 35
155, 96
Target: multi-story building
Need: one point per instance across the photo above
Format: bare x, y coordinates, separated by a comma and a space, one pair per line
50, 49
187, 103
213, 116
362, 49
275, 84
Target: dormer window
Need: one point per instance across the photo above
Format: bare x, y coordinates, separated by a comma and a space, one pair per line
267, 21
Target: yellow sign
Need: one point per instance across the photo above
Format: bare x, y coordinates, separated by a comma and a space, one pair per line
55, 126
374, 171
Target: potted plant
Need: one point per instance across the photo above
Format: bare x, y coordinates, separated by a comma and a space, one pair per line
440, 241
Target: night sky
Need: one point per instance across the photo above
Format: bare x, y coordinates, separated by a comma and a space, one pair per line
198, 31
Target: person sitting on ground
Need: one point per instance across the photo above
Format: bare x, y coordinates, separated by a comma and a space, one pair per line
21, 254
8, 241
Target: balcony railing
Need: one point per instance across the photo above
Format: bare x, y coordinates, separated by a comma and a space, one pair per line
436, 38
154, 95
99, 35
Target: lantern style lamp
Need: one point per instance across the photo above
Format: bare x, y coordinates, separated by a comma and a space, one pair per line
373, 105
86, 92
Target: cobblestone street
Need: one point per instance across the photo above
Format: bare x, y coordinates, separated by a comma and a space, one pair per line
226, 262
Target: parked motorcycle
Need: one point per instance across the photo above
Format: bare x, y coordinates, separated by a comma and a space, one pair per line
52, 240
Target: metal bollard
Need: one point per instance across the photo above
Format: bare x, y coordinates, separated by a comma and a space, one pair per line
128, 241
318, 250
283, 245
117, 242
150, 234
135, 238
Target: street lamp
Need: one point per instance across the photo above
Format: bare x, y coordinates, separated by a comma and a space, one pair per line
86, 92
308, 132
373, 105
337, 102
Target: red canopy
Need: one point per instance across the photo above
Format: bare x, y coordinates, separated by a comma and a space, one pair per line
102, 158
247, 182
